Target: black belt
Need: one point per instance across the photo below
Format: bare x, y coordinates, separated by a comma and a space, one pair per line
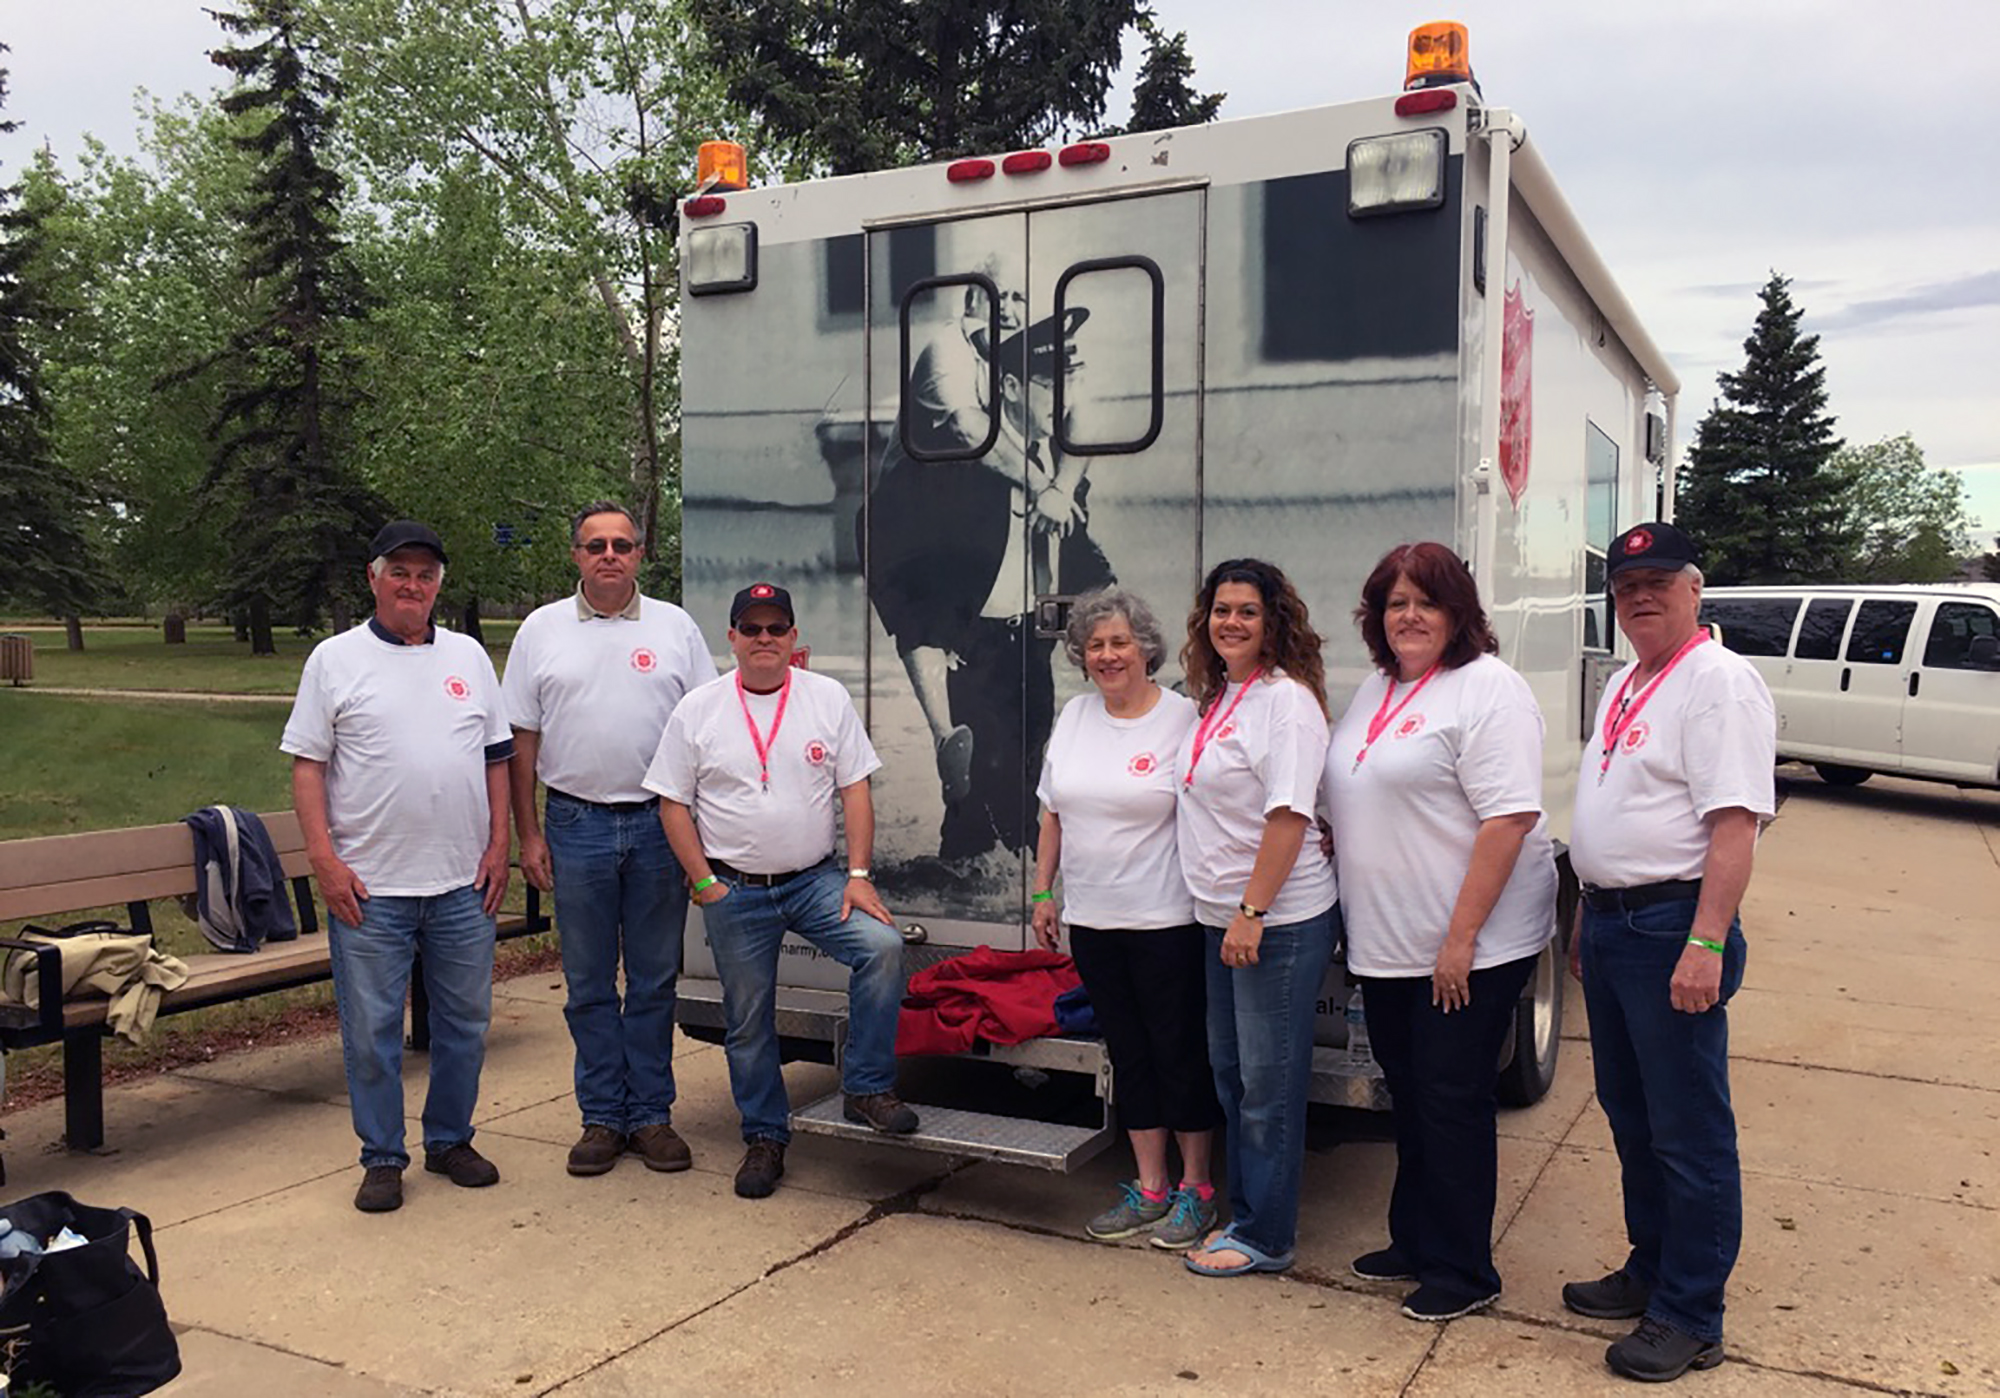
733, 875
622, 807
1645, 895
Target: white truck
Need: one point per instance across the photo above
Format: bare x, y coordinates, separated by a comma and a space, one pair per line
1302, 337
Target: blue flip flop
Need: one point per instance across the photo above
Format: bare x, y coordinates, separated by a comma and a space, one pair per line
1256, 1259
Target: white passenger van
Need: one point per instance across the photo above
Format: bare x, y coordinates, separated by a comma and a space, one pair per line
1902, 679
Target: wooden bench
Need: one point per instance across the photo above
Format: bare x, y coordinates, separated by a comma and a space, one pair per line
55, 875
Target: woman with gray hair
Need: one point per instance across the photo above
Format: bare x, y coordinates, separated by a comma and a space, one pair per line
1107, 791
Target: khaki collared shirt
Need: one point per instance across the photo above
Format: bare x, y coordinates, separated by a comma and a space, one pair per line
584, 611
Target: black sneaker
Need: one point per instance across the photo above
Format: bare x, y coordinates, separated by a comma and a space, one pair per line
465, 1167
1658, 1353
381, 1190
884, 1111
1436, 1303
1384, 1265
1616, 1296
763, 1166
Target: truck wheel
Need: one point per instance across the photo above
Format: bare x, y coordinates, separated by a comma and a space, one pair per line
1529, 1071
1834, 774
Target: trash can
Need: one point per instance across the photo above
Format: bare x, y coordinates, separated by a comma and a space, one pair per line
17, 659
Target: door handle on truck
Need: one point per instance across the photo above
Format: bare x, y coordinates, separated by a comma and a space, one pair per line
1846, 674
1915, 675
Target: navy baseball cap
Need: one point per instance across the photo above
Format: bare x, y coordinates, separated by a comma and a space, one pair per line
762, 594
406, 534
1654, 545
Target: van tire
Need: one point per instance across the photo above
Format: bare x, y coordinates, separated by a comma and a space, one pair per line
1834, 774
1530, 1070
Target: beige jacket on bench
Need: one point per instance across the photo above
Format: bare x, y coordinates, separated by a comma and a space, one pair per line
125, 968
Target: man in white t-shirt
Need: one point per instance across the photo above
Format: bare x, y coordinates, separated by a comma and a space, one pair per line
590, 683
399, 777
752, 770
1676, 781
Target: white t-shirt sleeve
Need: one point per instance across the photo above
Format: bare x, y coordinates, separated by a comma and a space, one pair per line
1295, 758
520, 690
1729, 746
1066, 721
700, 664
672, 773
309, 731
1500, 753
854, 755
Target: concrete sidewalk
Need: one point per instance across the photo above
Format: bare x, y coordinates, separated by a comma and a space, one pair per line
1868, 1089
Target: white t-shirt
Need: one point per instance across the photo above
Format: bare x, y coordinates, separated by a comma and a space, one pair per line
1111, 782
1467, 748
1265, 756
599, 691
1707, 740
404, 731
707, 762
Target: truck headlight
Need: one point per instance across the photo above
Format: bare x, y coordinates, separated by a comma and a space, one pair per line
1391, 174
720, 259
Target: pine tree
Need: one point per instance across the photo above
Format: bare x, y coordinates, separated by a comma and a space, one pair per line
45, 554
1164, 95
1757, 490
305, 520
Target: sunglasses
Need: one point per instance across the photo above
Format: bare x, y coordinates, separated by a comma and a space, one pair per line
621, 547
754, 629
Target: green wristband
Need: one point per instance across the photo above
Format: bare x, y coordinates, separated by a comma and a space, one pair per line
1047, 895
1705, 945
711, 879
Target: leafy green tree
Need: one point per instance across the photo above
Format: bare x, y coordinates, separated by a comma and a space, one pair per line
46, 560
869, 84
1908, 519
303, 519
1164, 96
1989, 566
1759, 489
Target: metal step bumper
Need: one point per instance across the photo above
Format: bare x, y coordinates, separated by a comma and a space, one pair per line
977, 1135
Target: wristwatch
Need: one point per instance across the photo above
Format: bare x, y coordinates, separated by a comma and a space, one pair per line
1249, 911
860, 874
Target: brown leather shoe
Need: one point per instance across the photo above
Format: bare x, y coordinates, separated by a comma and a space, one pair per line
463, 1165
763, 1165
660, 1147
884, 1111
596, 1150
381, 1190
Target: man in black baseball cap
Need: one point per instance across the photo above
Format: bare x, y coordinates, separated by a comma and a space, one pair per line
405, 534
762, 594
1656, 545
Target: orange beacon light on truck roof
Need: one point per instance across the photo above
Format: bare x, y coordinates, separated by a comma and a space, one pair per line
721, 166
1439, 54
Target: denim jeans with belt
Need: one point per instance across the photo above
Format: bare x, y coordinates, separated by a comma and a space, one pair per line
371, 974
1260, 1044
1663, 1080
745, 929
619, 895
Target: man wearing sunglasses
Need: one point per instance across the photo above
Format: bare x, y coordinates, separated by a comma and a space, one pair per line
750, 772
591, 681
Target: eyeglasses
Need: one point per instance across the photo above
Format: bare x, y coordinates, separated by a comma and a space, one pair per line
754, 629
621, 547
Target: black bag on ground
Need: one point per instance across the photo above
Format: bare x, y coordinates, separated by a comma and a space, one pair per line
85, 1320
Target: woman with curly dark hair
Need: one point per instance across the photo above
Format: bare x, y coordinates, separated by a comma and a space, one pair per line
1250, 774
1448, 884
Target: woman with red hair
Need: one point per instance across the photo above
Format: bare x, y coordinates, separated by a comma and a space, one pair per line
1448, 884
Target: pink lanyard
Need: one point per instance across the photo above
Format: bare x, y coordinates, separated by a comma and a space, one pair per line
1216, 719
1384, 715
1618, 718
757, 741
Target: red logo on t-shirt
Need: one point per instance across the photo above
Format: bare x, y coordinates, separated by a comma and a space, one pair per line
1224, 731
1143, 765
644, 661
1411, 726
457, 688
816, 752
1636, 735
1638, 541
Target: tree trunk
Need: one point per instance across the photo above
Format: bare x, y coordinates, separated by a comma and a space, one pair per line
470, 620
261, 640
241, 622
73, 629
343, 613
174, 627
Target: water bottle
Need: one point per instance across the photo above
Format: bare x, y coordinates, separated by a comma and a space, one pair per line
1357, 1026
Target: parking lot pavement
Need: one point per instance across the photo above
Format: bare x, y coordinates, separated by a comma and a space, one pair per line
1867, 1087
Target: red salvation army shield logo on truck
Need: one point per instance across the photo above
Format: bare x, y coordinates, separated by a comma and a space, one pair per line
644, 661
457, 688
1517, 409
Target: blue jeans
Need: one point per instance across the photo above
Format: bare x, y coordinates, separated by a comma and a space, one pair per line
619, 893
371, 975
1663, 1080
744, 931
1260, 1043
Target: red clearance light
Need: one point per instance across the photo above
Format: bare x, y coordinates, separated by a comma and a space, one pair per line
1437, 99
1027, 162
707, 206
962, 171
1084, 153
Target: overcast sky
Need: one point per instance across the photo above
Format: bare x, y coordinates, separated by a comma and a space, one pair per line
1703, 143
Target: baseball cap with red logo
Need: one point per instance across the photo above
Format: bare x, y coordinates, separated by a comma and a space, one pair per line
762, 594
1654, 545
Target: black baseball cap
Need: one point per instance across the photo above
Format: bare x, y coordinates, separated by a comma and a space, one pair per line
406, 534
1050, 342
1654, 545
762, 594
